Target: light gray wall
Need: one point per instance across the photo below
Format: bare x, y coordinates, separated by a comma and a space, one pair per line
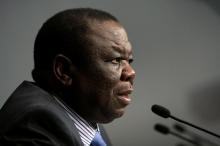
177, 58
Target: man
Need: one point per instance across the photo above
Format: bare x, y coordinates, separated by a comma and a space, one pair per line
83, 78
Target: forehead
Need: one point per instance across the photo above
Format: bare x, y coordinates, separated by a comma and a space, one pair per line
110, 34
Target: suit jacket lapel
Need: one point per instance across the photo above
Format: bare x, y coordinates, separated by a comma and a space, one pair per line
104, 135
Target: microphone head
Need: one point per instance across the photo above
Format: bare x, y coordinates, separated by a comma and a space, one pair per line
162, 129
179, 128
161, 111
180, 144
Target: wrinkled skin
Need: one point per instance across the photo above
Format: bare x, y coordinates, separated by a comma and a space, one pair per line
104, 85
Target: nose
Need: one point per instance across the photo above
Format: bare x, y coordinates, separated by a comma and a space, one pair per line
128, 73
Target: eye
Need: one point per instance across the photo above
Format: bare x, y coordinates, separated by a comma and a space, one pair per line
130, 61
117, 60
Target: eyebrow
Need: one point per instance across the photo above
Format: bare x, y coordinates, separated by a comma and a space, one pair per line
120, 50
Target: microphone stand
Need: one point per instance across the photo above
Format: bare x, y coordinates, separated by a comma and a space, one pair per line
187, 123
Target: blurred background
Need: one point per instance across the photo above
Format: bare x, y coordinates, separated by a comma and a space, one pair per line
176, 45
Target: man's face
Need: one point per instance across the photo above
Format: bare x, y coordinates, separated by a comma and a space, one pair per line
106, 82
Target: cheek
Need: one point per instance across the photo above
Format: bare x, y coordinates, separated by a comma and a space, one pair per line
105, 88
106, 75
103, 79
108, 90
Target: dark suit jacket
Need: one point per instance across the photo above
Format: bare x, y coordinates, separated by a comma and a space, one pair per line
32, 117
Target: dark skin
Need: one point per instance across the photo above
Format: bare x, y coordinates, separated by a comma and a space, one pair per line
100, 91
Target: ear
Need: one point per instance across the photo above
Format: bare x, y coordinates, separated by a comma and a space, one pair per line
62, 69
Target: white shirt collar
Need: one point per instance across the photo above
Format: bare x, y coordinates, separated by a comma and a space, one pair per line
86, 131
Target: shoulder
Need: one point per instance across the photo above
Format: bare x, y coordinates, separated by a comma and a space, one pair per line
27, 98
40, 127
33, 113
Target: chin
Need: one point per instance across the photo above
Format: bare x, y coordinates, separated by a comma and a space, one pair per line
107, 118
117, 114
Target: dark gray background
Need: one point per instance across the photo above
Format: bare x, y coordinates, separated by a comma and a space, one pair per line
176, 51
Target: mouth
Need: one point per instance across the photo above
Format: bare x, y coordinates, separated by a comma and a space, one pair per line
124, 98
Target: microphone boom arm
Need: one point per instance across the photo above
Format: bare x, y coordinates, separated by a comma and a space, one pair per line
204, 130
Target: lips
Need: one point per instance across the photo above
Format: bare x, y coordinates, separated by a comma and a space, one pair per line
124, 100
123, 96
125, 92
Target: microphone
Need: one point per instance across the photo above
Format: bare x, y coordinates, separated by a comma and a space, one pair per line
165, 113
180, 144
198, 138
165, 130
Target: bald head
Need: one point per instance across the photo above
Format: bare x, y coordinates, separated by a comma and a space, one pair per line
65, 33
